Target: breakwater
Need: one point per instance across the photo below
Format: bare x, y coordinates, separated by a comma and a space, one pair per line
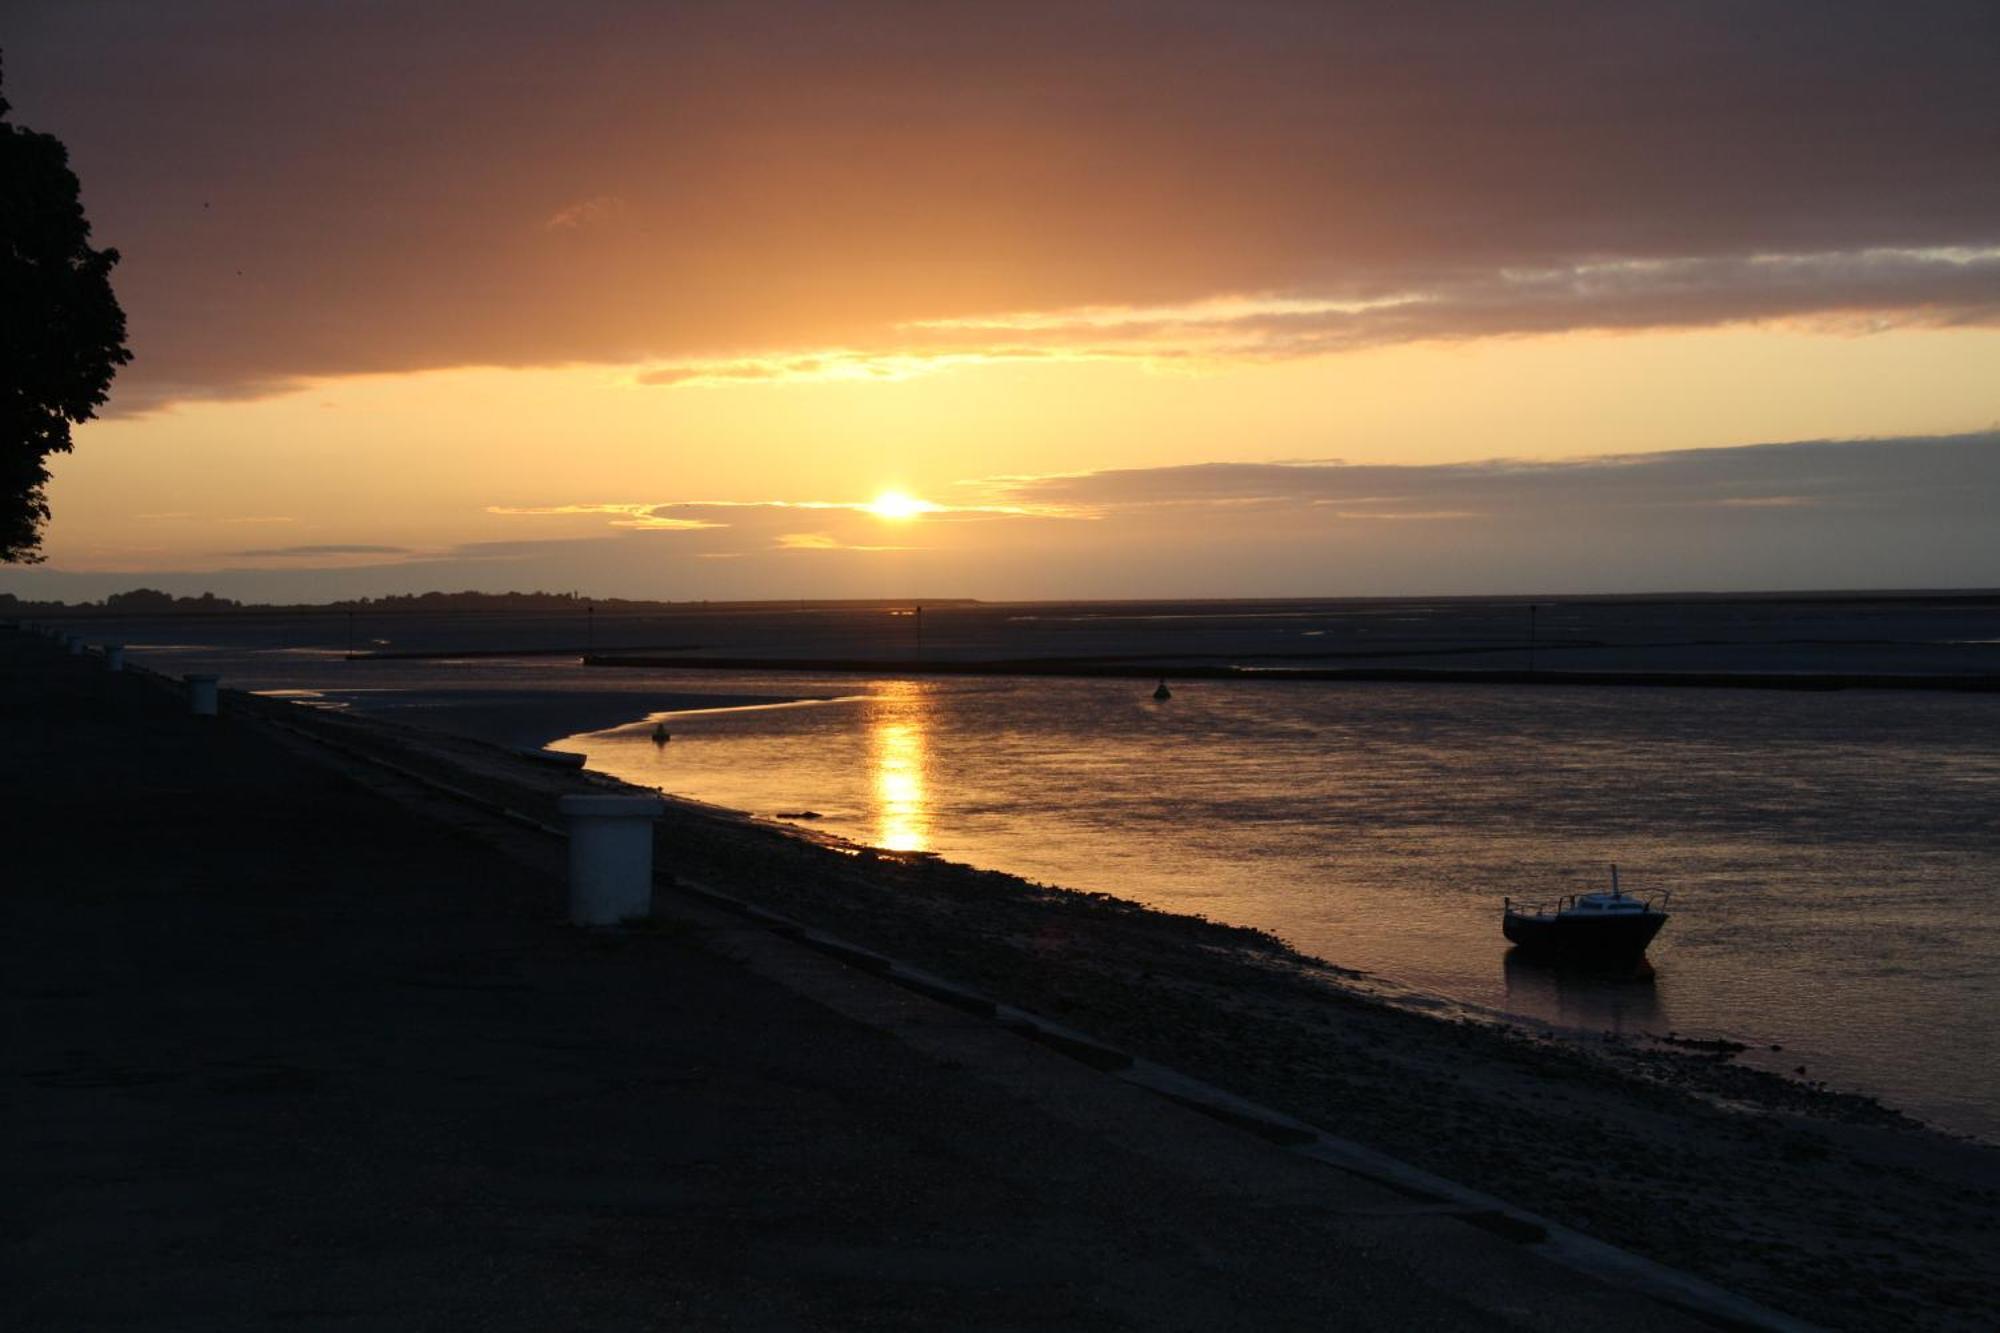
1147, 669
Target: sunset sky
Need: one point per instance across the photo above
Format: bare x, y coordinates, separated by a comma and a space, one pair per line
1160, 299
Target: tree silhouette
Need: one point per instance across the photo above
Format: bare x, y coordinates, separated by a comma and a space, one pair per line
62, 335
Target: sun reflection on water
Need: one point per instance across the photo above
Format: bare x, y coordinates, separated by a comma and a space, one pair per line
897, 748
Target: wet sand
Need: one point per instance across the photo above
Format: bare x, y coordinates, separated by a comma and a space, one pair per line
1827, 1205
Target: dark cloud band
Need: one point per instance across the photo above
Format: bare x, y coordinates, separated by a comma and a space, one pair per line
322, 189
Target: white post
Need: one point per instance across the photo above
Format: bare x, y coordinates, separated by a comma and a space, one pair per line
610, 857
114, 657
201, 694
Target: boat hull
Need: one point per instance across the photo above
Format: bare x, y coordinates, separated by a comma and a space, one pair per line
1598, 941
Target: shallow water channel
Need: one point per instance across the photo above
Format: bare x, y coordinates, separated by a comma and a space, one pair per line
1833, 858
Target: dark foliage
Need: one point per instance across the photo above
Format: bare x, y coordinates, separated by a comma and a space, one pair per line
62, 335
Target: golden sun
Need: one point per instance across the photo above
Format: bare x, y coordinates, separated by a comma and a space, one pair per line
898, 506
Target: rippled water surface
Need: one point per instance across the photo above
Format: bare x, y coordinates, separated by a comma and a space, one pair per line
1833, 858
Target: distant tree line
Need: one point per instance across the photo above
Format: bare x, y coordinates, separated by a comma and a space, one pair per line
152, 601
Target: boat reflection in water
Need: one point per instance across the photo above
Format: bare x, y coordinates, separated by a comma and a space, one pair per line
1621, 999
899, 756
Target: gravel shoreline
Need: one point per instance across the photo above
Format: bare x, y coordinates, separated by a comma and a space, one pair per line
1828, 1205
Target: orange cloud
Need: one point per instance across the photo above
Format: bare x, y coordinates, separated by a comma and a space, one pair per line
909, 184
823, 541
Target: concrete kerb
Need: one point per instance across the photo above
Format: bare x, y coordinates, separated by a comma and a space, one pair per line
1430, 1193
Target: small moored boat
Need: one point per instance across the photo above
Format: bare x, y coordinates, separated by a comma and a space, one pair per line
1596, 929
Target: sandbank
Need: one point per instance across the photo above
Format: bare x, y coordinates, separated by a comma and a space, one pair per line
526, 719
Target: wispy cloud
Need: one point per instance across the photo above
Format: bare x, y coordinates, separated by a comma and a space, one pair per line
1942, 475
826, 541
899, 359
1894, 512
1947, 474
1767, 501
1847, 292
1406, 516
697, 515
622, 508
714, 529
659, 523
330, 549
585, 213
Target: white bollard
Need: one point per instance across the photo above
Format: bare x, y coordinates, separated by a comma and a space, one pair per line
114, 657
201, 694
610, 857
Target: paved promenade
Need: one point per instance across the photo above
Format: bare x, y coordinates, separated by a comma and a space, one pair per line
284, 1050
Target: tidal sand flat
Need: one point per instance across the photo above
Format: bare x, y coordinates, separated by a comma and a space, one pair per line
523, 701
527, 719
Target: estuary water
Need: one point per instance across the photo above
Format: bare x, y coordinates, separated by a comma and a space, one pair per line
1834, 857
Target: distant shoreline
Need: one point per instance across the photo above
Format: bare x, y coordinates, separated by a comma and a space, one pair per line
497, 605
1141, 670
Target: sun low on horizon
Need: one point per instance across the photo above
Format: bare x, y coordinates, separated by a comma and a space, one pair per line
899, 506
1080, 294
632, 631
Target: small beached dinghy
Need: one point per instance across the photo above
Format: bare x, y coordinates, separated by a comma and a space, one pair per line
1590, 929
